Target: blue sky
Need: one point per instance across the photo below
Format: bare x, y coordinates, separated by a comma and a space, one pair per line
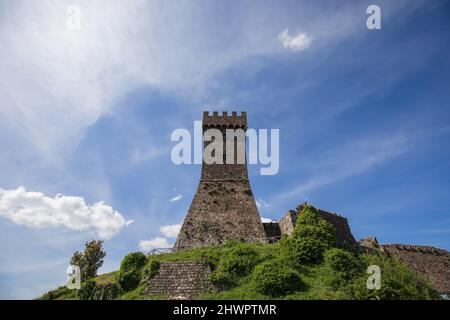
363, 115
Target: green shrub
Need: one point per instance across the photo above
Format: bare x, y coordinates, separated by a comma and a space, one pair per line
59, 293
340, 269
130, 272
343, 262
107, 291
274, 278
150, 269
223, 280
311, 237
398, 281
239, 262
87, 289
133, 261
91, 290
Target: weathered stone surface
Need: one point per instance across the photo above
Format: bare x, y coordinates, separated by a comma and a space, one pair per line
369, 242
432, 262
223, 207
180, 280
287, 223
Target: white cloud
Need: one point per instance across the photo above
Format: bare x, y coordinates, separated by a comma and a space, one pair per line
176, 198
35, 210
170, 231
265, 220
158, 242
261, 203
295, 43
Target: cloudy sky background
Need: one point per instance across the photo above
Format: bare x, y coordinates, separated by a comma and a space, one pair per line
86, 117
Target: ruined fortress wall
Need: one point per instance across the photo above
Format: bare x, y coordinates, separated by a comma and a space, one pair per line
432, 262
180, 280
223, 207
344, 237
287, 223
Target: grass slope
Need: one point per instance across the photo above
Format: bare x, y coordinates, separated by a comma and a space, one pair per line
320, 280
305, 265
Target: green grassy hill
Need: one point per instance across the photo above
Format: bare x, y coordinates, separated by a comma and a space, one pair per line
305, 265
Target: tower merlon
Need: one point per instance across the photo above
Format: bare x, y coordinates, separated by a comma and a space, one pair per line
223, 119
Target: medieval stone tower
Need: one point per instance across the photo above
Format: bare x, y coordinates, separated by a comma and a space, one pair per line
223, 207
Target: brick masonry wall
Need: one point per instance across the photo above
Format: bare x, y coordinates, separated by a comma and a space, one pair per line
180, 280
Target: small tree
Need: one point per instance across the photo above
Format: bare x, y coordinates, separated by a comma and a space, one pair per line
90, 260
312, 235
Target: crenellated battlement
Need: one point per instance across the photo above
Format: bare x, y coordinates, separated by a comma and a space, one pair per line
224, 120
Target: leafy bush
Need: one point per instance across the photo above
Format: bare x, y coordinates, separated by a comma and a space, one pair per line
340, 269
343, 262
91, 290
311, 237
130, 271
274, 278
151, 269
239, 262
398, 281
87, 289
59, 293
223, 280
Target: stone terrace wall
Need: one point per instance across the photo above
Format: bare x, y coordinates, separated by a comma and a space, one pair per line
432, 262
180, 280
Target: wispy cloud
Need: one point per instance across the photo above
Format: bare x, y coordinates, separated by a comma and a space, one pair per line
176, 198
296, 43
53, 93
151, 153
357, 157
261, 203
35, 210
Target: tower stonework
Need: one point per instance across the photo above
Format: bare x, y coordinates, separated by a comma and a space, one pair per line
223, 207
